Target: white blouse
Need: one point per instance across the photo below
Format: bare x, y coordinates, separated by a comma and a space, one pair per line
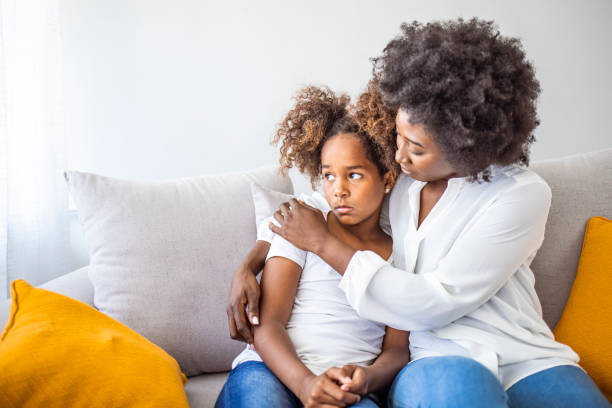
461, 282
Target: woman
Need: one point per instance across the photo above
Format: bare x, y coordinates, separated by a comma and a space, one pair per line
467, 218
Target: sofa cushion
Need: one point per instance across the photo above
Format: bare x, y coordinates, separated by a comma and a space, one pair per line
581, 188
585, 324
203, 390
162, 255
56, 352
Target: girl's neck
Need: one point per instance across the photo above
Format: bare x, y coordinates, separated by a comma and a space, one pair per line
367, 235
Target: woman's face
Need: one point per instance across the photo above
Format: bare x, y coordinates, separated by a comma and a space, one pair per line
417, 153
352, 184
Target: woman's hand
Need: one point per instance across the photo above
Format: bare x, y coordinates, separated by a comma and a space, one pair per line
302, 225
324, 391
245, 291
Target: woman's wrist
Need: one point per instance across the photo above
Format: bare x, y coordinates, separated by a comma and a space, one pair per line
256, 258
335, 253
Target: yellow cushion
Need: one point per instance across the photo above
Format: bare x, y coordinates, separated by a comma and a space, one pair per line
586, 323
59, 352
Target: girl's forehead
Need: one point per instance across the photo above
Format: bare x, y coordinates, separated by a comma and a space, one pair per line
343, 148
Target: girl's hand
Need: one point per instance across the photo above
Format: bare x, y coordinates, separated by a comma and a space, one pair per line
324, 391
302, 225
352, 378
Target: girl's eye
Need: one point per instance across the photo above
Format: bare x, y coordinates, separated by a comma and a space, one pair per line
416, 153
355, 176
328, 176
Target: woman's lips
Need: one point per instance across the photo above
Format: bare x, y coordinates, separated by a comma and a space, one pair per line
405, 170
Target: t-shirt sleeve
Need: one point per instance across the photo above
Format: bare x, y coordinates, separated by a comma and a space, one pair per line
285, 249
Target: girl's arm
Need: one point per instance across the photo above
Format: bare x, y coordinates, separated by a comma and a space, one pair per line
279, 285
363, 380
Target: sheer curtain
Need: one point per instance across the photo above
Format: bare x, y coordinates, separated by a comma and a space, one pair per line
34, 223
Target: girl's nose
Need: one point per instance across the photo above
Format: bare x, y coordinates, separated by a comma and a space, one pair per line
340, 190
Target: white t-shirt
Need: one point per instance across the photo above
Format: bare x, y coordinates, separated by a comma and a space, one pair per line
461, 282
323, 327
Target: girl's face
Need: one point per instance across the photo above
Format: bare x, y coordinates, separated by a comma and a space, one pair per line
417, 153
351, 182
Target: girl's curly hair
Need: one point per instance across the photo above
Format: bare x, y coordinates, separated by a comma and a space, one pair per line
319, 114
471, 88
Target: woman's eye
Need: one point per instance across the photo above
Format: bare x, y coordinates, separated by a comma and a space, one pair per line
416, 153
328, 176
355, 176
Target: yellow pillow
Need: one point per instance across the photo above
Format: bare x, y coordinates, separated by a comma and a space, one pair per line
59, 352
586, 323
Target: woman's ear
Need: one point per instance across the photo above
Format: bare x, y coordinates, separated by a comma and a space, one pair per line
389, 180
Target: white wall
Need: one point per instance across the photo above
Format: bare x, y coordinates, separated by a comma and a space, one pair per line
158, 89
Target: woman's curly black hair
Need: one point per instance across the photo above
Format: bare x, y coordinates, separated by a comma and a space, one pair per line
471, 88
319, 114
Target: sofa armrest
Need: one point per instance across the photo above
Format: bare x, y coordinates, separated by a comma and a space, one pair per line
75, 284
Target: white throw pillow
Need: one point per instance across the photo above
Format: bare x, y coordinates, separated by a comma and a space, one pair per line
162, 255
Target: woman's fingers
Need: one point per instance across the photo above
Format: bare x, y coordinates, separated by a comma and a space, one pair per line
242, 324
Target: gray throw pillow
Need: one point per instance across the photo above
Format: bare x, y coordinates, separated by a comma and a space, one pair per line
162, 255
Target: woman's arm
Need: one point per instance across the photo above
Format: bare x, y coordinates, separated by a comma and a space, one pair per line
244, 290
501, 238
479, 263
279, 285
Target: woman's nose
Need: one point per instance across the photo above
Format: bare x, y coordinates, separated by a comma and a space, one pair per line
401, 157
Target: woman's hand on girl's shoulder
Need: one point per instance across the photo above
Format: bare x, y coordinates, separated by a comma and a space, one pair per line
302, 225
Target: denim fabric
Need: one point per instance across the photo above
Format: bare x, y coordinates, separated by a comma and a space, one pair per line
451, 381
454, 381
557, 387
252, 385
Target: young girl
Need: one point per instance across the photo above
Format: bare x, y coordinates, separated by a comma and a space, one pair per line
467, 218
311, 346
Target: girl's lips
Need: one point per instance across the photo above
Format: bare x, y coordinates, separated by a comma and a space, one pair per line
343, 210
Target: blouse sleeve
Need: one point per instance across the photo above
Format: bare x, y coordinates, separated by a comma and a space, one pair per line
483, 258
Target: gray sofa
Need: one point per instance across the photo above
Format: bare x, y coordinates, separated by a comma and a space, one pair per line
581, 188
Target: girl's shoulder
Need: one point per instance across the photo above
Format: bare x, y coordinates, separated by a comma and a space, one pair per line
316, 200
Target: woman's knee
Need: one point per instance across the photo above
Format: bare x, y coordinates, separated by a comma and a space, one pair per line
451, 381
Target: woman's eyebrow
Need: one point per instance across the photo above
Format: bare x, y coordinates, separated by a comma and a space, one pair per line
413, 142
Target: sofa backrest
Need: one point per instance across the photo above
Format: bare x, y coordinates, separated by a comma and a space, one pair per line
581, 188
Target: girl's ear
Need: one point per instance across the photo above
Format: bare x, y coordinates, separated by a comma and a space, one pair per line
389, 180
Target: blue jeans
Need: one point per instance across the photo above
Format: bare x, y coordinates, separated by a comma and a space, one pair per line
252, 385
454, 381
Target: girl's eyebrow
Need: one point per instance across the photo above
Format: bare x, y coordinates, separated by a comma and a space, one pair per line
357, 166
